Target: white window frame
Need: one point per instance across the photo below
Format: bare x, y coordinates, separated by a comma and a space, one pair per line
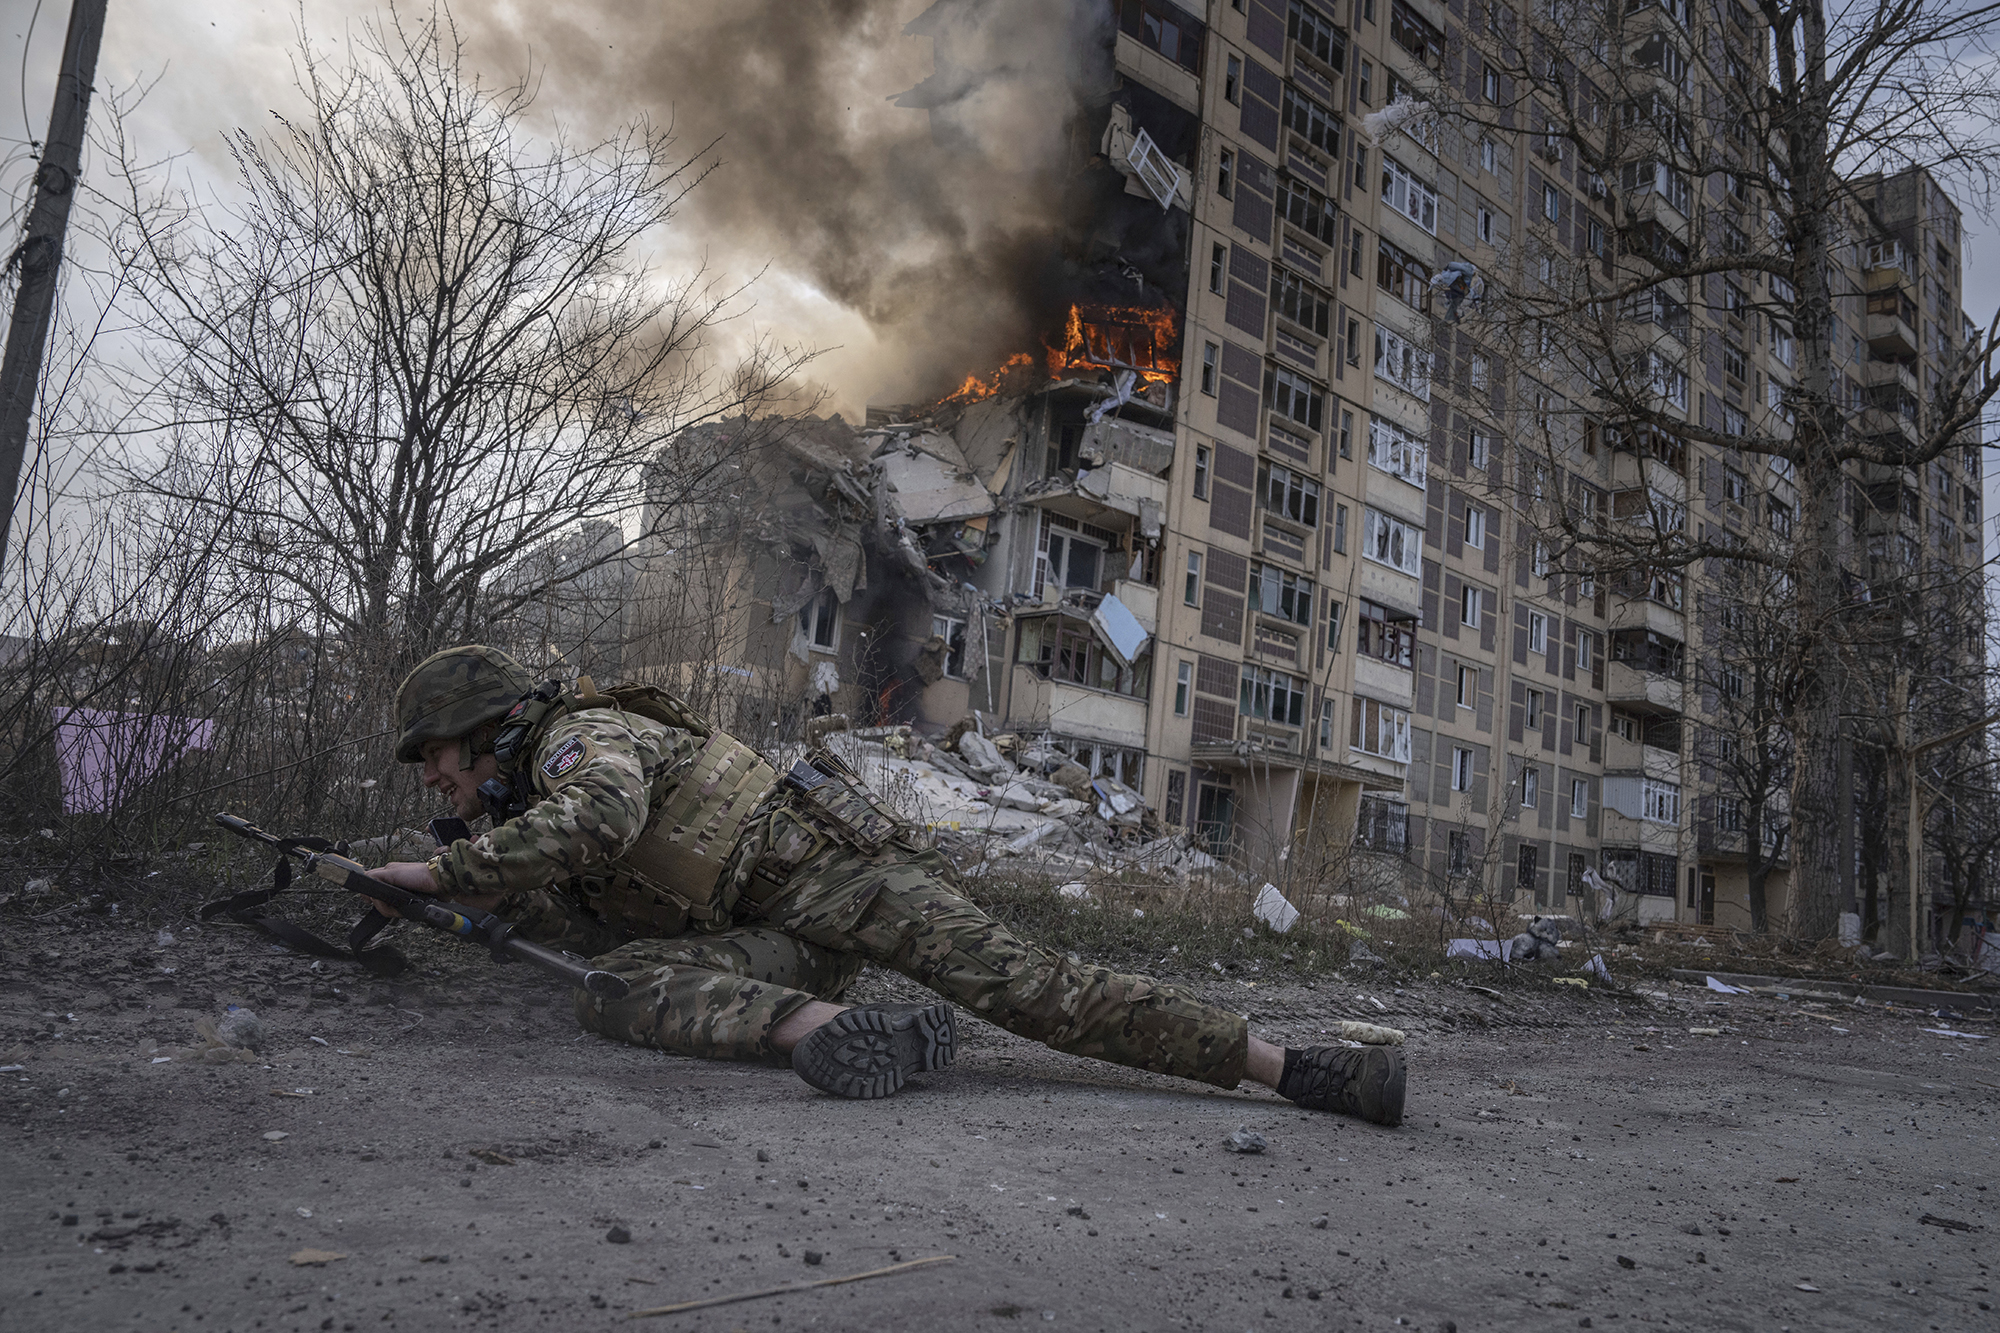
1191, 589
1461, 768
1388, 540
1400, 362
1402, 191
1396, 451
1475, 527
1579, 798
1389, 733
1531, 786
941, 627
822, 613
1660, 802
1467, 686
1183, 689
1538, 632
1531, 710
1479, 451
1469, 599
1586, 645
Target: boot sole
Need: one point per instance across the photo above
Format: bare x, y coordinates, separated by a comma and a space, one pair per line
870, 1053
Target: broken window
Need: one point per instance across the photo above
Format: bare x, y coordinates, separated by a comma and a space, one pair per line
1396, 451
1218, 265
819, 621
1300, 205
1579, 808
1402, 363
1458, 853
1531, 786
951, 629
1415, 34
1660, 801
1272, 696
1312, 122
1215, 814
1390, 541
1176, 805
1064, 648
1232, 80
1402, 191
1402, 276
1292, 496
1293, 396
1225, 174
1299, 301
1380, 729
1386, 637
1383, 825
1318, 36
1168, 29
1074, 562
1281, 593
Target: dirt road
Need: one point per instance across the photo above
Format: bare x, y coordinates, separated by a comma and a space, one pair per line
1570, 1161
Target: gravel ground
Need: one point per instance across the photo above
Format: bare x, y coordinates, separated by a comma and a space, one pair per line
1571, 1159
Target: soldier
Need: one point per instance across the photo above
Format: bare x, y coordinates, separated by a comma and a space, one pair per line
740, 903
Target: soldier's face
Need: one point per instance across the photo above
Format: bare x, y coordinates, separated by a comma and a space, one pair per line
460, 786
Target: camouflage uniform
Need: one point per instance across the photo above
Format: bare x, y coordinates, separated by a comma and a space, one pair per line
798, 908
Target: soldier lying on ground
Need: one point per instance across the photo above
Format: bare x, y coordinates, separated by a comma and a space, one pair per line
740, 904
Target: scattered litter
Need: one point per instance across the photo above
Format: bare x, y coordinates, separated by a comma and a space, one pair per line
1075, 891
492, 1157
239, 1027
618, 1236
1274, 910
291, 1092
319, 1041
1804, 1286
1377, 1003
1724, 988
1571, 981
1246, 1140
1627, 1261
1704, 1032
316, 1258
1358, 952
1596, 968
276, 1135
1954, 1032
1368, 1034
163, 939
1538, 943
1948, 1223
1478, 949
158, 1060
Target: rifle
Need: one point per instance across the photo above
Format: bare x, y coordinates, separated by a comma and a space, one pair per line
498, 936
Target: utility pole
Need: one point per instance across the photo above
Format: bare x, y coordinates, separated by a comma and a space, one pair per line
40, 253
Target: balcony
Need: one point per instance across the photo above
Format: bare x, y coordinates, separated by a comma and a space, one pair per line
1890, 335
1890, 376
1643, 757
1628, 686
1390, 683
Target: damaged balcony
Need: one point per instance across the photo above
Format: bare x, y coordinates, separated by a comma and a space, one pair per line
1082, 673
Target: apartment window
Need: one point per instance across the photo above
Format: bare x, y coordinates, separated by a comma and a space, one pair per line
1293, 396
1479, 452
1074, 562
1729, 682
1551, 202
1218, 264
1469, 601
1475, 527
1458, 854
1390, 541
1360, 183
1734, 364
1232, 80
1326, 724
1311, 121
1191, 590
1538, 563
1594, 238
1402, 363
1530, 866
1396, 451
1583, 724
1383, 638
1657, 177
1301, 206
1176, 809
1586, 650
1402, 276
1415, 34
1317, 35
1380, 729
1579, 798
1461, 769
1281, 593
1728, 814
1531, 786
1347, 436
1538, 634
1340, 529
1165, 28
1364, 84
1183, 688
1489, 84
951, 629
1332, 625
1660, 802
1354, 334
1489, 156
1201, 469
819, 620
1624, 726
1272, 696
1211, 356
1533, 709
1735, 486
1468, 686
1409, 196
1290, 495
1299, 301
1225, 174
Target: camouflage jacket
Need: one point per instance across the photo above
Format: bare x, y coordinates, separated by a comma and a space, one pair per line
601, 774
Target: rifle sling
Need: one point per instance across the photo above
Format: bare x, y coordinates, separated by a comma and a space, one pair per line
382, 960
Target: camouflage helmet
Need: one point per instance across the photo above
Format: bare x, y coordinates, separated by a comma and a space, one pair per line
453, 693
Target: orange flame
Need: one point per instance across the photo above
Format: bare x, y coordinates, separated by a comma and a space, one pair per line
1145, 339
976, 388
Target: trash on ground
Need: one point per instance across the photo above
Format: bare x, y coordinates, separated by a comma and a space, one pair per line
1368, 1034
1724, 988
315, 1258
276, 1136
1954, 1032
1274, 909
1493, 949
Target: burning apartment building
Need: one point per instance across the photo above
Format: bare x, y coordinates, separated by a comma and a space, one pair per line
1233, 529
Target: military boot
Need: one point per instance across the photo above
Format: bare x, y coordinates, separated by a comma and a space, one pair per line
1366, 1082
872, 1049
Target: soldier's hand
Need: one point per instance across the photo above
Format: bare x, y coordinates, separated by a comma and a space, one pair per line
413, 876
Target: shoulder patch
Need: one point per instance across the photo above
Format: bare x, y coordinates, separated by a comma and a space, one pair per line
564, 761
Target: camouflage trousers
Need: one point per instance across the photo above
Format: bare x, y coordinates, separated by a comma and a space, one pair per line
720, 995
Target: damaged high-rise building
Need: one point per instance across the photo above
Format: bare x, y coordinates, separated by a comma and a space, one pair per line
1246, 528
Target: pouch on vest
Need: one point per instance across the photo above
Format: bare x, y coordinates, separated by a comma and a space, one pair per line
836, 802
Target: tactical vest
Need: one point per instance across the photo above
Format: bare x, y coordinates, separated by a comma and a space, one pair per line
674, 873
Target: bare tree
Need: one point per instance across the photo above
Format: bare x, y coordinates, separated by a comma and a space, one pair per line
422, 344
1724, 203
